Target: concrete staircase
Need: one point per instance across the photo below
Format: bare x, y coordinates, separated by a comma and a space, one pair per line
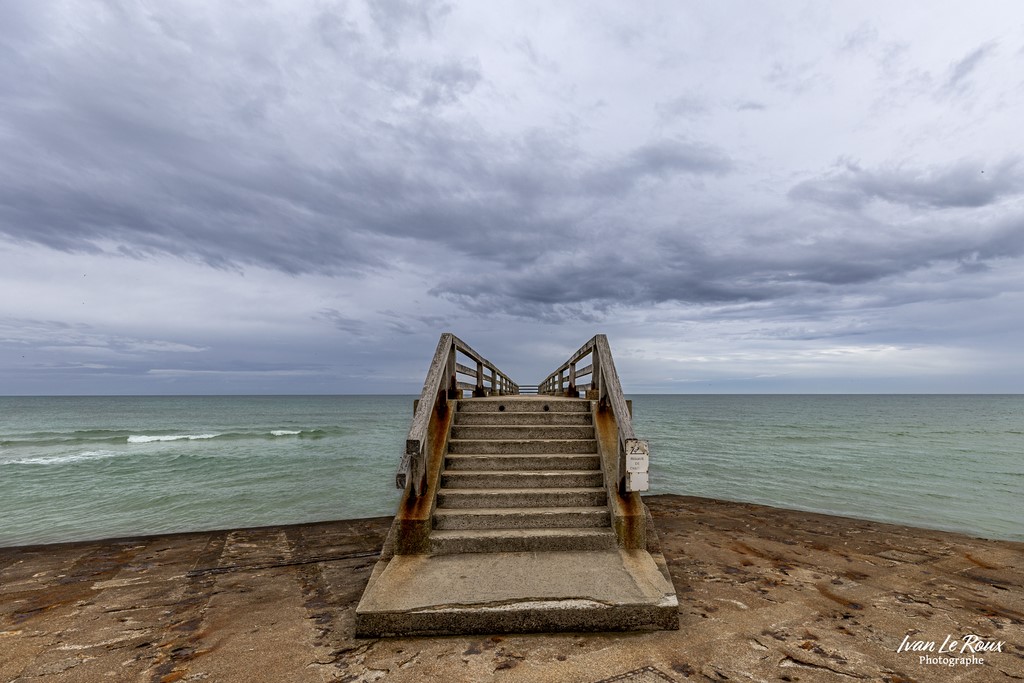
521, 476
521, 535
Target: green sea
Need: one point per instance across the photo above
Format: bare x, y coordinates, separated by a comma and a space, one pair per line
78, 468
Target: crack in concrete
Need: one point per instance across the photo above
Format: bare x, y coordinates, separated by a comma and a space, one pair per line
514, 603
790, 660
297, 563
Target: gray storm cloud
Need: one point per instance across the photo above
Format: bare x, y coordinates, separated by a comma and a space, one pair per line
408, 166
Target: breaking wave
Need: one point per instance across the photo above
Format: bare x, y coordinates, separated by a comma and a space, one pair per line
98, 437
146, 438
143, 438
65, 459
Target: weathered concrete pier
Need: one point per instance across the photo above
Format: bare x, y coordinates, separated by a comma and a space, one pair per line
520, 513
764, 594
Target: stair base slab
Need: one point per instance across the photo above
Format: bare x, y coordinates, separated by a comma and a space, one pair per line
612, 590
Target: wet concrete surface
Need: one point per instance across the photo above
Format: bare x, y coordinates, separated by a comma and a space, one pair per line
765, 595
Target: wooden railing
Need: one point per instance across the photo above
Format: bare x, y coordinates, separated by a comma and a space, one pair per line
442, 384
604, 387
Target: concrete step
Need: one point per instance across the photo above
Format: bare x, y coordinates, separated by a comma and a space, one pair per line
523, 432
455, 541
608, 590
510, 446
521, 462
521, 497
521, 418
521, 518
476, 479
523, 404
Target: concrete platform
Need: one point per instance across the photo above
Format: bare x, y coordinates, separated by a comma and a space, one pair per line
516, 592
765, 594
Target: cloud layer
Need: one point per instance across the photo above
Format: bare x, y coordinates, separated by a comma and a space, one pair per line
685, 177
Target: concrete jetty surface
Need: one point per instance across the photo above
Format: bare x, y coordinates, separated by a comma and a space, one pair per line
764, 595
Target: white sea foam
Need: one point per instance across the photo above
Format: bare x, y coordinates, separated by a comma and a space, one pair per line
143, 438
286, 432
65, 459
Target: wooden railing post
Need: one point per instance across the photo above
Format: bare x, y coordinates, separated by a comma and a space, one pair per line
453, 379
479, 391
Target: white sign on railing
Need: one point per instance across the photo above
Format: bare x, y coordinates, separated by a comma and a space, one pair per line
638, 462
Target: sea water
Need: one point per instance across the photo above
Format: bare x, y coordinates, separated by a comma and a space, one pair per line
953, 462
74, 468
77, 468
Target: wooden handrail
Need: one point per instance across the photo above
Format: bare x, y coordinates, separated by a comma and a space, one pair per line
441, 384
604, 382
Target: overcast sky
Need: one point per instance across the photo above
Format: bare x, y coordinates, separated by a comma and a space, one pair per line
299, 196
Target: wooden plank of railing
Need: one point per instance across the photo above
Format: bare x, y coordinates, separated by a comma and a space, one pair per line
432, 386
556, 380
441, 378
468, 351
605, 379
583, 351
478, 372
614, 389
